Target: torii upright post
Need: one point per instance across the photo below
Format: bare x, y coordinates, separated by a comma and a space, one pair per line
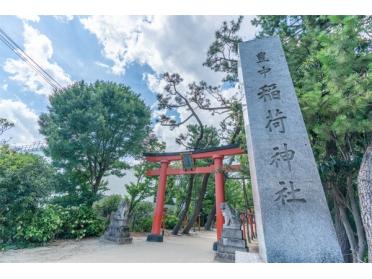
219, 192
156, 235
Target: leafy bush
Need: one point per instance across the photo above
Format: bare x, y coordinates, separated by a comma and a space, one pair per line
26, 181
80, 222
43, 227
170, 221
142, 225
106, 205
141, 218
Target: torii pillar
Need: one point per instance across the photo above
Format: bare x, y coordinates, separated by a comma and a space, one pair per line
156, 235
219, 193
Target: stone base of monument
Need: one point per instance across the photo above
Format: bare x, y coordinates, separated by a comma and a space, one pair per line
155, 238
231, 241
120, 235
247, 257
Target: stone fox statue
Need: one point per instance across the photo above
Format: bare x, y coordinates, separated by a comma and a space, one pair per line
122, 213
230, 215
118, 230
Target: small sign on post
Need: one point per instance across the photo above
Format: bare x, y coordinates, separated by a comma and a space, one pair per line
187, 161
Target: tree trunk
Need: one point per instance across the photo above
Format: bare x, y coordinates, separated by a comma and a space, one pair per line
342, 236
210, 218
349, 233
198, 204
357, 219
340, 201
365, 196
183, 214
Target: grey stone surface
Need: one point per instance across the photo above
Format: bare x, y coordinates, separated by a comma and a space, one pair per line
232, 235
225, 257
118, 230
293, 219
239, 243
230, 249
247, 257
231, 217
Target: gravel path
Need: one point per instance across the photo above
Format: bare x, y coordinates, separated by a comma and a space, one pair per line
195, 248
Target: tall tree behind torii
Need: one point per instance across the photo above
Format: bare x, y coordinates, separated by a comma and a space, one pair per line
222, 56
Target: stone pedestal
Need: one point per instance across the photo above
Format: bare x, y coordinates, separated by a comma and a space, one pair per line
232, 236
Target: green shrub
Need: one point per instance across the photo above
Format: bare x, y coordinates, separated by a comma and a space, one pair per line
80, 222
106, 205
170, 221
142, 225
44, 226
26, 181
141, 217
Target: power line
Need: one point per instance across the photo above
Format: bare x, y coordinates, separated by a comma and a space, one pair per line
26, 61
19, 52
4, 37
33, 61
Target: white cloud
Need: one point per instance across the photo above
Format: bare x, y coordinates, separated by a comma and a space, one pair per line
103, 65
165, 43
5, 86
24, 119
175, 44
39, 47
34, 18
64, 18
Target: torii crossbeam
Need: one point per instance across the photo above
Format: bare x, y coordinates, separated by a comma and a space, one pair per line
217, 154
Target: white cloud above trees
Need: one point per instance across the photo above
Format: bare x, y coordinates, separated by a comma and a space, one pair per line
165, 43
25, 120
28, 17
175, 44
39, 47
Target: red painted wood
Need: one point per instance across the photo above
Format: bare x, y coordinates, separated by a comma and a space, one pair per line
220, 194
160, 198
209, 154
197, 170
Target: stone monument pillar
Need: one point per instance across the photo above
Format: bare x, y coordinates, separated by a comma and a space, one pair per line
293, 220
118, 230
232, 235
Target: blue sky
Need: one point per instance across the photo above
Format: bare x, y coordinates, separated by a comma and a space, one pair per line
75, 49
134, 50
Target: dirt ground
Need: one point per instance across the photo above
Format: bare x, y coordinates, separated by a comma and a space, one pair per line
196, 248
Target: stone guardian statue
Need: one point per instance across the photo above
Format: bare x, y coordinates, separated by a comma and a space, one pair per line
118, 230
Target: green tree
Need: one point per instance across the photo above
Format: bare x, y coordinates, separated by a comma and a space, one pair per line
210, 139
172, 100
105, 206
329, 59
4, 126
90, 129
222, 56
26, 182
144, 186
222, 53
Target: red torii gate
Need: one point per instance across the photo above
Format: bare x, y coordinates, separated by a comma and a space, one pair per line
217, 154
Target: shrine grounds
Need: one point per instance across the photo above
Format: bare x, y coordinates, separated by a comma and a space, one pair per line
193, 248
